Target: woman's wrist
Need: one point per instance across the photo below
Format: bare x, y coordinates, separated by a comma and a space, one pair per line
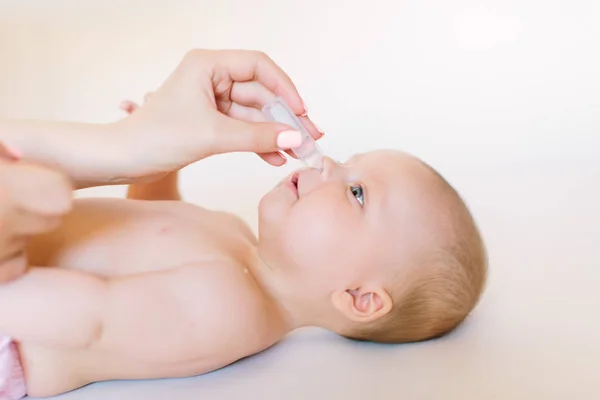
90, 154
104, 159
140, 157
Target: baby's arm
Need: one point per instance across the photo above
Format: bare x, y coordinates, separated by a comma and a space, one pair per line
160, 315
54, 307
165, 188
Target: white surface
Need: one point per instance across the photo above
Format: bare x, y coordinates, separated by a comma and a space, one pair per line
501, 96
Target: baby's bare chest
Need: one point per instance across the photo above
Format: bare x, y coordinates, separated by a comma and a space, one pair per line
113, 237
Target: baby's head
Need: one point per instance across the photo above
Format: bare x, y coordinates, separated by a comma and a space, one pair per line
379, 248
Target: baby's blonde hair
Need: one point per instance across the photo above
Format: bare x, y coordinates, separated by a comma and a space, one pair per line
449, 284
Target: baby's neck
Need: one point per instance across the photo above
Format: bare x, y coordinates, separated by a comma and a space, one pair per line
290, 302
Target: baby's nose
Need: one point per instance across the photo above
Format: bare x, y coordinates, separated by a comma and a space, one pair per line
330, 167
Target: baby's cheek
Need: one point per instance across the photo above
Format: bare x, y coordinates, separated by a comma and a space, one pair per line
316, 235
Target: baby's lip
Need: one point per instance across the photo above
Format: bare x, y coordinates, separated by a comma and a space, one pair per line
293, 183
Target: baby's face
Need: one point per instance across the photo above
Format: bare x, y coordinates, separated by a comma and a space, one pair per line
347, 223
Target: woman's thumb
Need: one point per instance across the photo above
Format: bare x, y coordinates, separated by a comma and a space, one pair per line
258, 137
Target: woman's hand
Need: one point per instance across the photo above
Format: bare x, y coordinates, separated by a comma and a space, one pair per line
211, 104
33, 200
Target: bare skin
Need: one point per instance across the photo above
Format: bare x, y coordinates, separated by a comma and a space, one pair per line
141, 289
138, 288
152, 287
151, 278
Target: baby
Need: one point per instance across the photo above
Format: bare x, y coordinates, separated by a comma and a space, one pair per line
380, 248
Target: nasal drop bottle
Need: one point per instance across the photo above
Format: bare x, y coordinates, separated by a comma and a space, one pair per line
308, 152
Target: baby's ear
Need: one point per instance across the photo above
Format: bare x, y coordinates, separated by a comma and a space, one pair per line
364, 304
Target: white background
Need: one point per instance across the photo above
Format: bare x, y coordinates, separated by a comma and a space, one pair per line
502, 97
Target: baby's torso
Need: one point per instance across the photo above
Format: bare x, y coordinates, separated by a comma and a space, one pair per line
114, 237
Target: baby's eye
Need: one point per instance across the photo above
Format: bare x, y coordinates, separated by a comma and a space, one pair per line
357, 192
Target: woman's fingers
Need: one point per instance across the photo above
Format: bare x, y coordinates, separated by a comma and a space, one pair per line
251, 94
250, 114
27, 224
245, 113
244, 66
275, 159
37, 190
310, 126
33, 200
13, 266
248, 100
254, 94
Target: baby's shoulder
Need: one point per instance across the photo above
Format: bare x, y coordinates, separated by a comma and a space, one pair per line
219, 217
228, 285
226, 293
238, 223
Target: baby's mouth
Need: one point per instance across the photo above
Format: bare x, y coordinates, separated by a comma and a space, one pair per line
294, 182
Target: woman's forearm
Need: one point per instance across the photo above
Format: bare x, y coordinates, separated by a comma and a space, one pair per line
91, 154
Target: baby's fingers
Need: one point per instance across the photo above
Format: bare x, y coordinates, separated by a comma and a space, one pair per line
128, 106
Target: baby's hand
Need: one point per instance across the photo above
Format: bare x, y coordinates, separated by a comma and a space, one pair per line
129, 106
33, 200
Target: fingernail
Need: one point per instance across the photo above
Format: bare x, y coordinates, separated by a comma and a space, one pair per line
305, 113
282, 157
16, 154
289, 139
319, 129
